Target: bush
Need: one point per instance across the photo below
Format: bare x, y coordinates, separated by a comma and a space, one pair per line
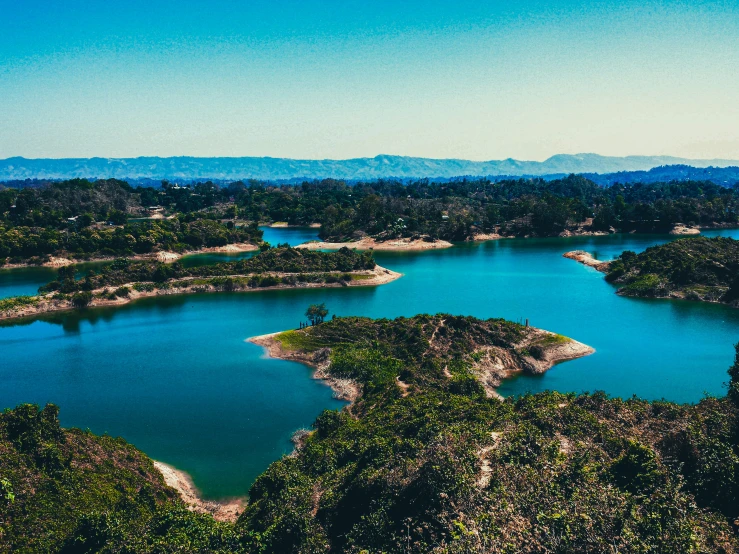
122, 292
81, 299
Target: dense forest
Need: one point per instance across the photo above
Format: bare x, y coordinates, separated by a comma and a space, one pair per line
692, 268
459, 210
423, 461
35, 221
82, 220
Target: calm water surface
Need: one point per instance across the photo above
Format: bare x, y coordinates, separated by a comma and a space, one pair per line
175, 376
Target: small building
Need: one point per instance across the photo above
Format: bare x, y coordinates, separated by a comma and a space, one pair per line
155, 209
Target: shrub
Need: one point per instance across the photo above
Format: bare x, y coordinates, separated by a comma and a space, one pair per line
81, 299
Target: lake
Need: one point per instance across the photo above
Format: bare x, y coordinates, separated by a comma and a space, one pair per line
175, 377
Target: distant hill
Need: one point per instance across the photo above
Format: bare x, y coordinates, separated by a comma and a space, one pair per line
275, 169
726, 176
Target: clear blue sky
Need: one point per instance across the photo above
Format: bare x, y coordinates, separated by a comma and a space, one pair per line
338, 79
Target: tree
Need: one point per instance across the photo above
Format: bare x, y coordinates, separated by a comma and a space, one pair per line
316, 313
734, 381
82, 299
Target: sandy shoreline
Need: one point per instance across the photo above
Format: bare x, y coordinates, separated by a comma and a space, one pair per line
162, 256
47, 304
396, 245
587, 259
224, 510
344, 389
284, 225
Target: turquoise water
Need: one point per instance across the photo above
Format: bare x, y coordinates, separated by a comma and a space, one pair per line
293, 235
175, 376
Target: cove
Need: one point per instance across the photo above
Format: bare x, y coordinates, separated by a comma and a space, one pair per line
175, 377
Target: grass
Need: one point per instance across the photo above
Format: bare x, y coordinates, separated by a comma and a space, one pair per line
553, 339
16, 302
294, 340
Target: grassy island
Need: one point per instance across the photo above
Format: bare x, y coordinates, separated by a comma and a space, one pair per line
694, 269
422, 461
125, 280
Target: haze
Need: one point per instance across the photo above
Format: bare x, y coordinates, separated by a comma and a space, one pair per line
317, 79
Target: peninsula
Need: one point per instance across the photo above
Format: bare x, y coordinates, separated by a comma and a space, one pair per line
703, 269
126, 280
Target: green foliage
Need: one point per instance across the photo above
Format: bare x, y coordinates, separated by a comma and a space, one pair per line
17, 302
81, 299
275, 260
693, 268
429, 469
316, 313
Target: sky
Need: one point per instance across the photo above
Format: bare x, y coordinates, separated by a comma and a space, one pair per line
340, 79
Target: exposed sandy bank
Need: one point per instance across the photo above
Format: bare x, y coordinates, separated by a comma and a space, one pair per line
283, 225
372, 244
541, 351
162, 256
586, 259
167, 257
227, 510
681, 229
480, 237
47, 303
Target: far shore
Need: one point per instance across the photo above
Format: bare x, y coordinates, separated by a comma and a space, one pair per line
396, 245
47, 304
161, 256
285, 225
221, 510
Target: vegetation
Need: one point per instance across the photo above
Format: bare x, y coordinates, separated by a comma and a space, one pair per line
459, 209
60, 219
304, 265
34, 221
316, 313
419, 463
693, 268
17, 302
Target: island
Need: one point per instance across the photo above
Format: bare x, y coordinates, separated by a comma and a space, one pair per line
126, 280
703, 269
475, 353
422, 460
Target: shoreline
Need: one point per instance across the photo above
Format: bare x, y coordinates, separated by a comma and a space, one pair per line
46, 304
394, 245
165, 256
344, 389
496, 364
587, 259
285, 225
222, 510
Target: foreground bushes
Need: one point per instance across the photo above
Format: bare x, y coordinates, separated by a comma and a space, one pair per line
427, 469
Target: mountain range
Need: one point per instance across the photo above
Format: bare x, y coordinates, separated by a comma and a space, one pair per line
285, 169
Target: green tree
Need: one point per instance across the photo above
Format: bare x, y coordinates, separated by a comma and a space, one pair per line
734, 378
316, 313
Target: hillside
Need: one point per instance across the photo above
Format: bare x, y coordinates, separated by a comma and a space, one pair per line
423, 461
694, 269
274, 169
